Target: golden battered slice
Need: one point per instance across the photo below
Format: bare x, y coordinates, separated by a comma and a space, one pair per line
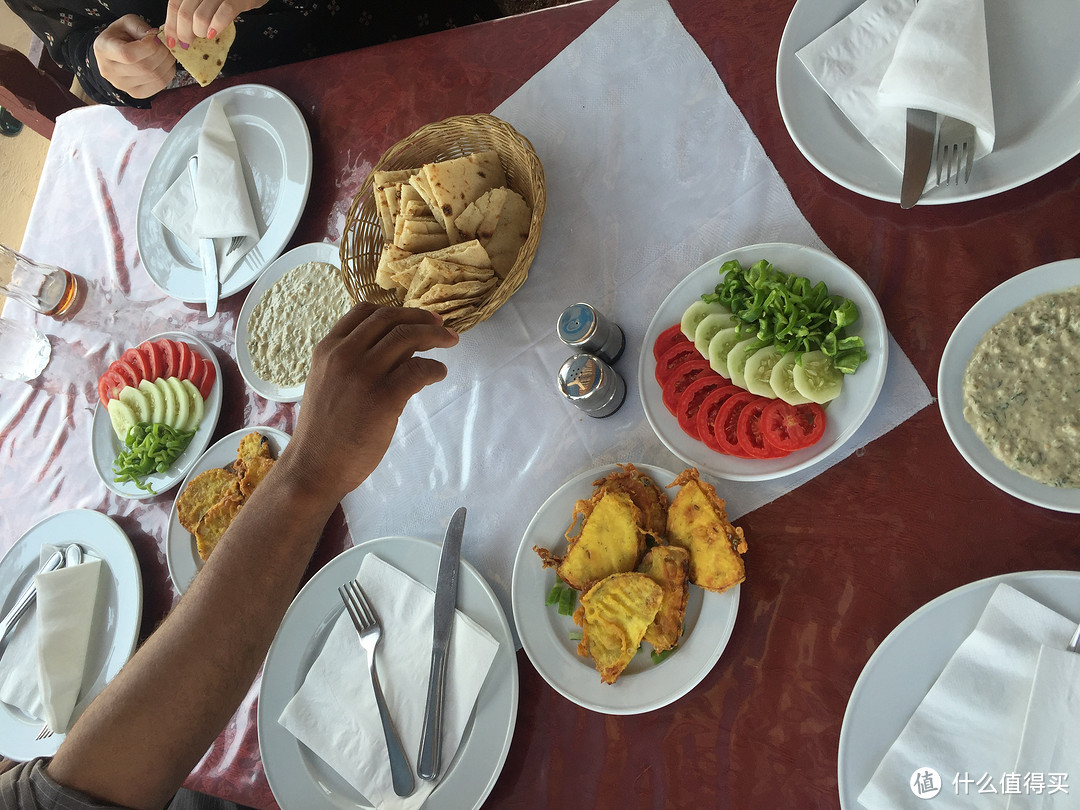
698, 522
614, 615
253, 445
255, 470
201, 493
610, 541
668, 567
214, 523
644, 492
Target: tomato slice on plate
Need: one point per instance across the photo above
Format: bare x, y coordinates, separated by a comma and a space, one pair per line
206, 381
686, 409
126, 372
170, 355
198, 366
110, 384
680, 380
154, 357
792, 427
726, 429
672, 336
673, 358
748, 430
705, 421
183, 363
135, 359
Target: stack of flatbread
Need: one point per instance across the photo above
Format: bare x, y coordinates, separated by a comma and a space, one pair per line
453, 231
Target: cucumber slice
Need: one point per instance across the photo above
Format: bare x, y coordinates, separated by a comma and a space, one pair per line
719, 346
695, 314
122, 418
195, 405
183, 404
708, 327
136, 400
156, 399
782, 382
816, 379
736, 361
758, 371
171, 405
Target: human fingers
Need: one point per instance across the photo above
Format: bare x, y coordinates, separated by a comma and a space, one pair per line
139, 67
178, 22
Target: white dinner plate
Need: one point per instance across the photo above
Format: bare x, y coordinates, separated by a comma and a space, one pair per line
104, 446
1034, 73
843, 415
302, 781
180, 551
908, 662
275, 147
545, 633
987, 311
115, 628
315, 252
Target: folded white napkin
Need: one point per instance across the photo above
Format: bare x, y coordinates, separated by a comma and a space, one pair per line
1050, 748
220, 206
889, 55
334, 713
42, 667
972, 719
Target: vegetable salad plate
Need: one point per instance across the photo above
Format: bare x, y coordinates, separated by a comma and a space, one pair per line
843, 415
275, 147
1034, 72
297, 777
115, 628
990, 309
180, 550
105, 446
902, 669
545, 633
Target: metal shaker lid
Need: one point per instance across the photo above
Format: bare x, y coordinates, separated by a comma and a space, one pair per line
591, 384
577, 324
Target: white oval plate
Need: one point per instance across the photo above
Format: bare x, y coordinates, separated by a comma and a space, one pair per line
180, 550
315, 252
843, 415
298, 778
987, 311
1034, 72
114, 631
908, 662
544, 632
275, 147
104, 446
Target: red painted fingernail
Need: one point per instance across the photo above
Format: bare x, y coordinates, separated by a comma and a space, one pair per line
184, 45
211, 34
171, 42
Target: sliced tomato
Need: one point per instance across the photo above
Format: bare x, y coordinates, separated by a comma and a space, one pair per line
198, 368
154, 357
135, 359
672, 336
126, 372
673, 358
705, 421
680, 380
792, 427
183, 365
749, 433
686, 409
726, 429
170, 355
206, 382
110, 384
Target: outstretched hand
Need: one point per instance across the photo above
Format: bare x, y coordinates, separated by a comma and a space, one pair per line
131, 58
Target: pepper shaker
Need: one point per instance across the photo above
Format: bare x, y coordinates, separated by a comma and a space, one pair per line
583, 328
592, 385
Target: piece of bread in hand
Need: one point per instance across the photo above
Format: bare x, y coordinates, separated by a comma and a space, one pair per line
203, 58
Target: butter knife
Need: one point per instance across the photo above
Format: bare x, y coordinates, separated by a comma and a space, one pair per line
207, 252
428, 765
29, 594
918, 155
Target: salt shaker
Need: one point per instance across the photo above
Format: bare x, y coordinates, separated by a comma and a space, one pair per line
592, 385
581, 327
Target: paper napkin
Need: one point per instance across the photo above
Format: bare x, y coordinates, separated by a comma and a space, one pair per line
42, 667
972, 719
334, 713
888, 55
220, 206
1050, 747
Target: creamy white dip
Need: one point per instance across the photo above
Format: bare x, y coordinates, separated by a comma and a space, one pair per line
1022, 389
291, 317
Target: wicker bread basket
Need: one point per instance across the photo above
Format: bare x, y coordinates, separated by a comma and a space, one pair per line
362, 240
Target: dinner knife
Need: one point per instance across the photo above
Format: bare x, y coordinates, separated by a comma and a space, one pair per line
207, 252
918, 154
29, 594
428, 766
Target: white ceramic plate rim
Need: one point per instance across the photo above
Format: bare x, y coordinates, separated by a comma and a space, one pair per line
104, 446
283, 119
833, 146
544, 633
987, 311
180, 552
907, 663
314, 252
298, 779
843, 416
100, 536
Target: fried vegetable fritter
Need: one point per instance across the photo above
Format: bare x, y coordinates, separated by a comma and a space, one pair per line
255, 470
668, 567
201, 493
253, 445
698, 522
646, 494
614, 615
214, 523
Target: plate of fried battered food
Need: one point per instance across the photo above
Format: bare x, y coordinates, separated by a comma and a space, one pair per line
213, 494
626, 586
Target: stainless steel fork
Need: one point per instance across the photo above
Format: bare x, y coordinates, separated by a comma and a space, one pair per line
369, 630
955, 151
236, 242
45, 733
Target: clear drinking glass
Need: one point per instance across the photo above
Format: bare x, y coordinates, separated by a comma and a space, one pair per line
45, 288
24, 351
